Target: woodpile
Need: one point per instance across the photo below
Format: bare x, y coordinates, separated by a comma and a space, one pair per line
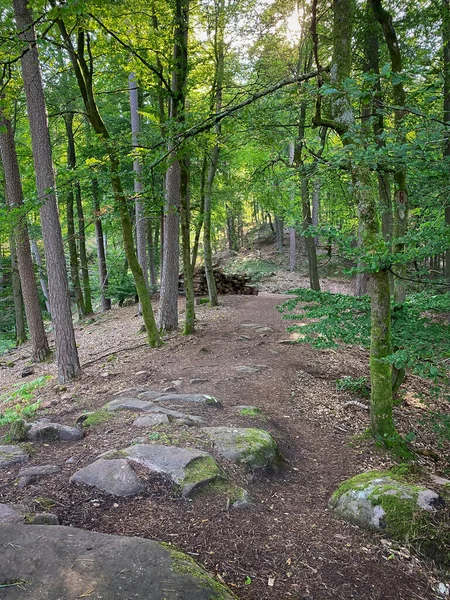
226, 284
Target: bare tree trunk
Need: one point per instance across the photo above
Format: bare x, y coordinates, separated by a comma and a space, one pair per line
141, 221
446, 107
14, 195
316, 207
189, 321
21, 335
309, 239
279, 225
101, 253
168, 304
152, 248
88, 310
201, 215
207, 247
66, 349
71, 236
41, 271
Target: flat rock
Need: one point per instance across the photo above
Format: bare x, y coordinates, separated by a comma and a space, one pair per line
180, 417
134, 391
188, 469
30, 475
150, 395
151, 420
204, 399
135, 404
113, 476
54, 432
250, 446
246, 369
264, 330
10, 514
198, 380
73, 563
11, 455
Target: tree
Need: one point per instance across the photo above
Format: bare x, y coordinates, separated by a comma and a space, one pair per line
14, 194
66, 350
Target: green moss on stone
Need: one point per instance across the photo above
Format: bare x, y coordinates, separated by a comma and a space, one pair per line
251, 411
184, 564
101, 416
200, 469
359, 481
258, 447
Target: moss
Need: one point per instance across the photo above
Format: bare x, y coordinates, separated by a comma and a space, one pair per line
359, 481
252, 411
101, 416
28, 448
231, 491
258, 447
18, 430
185, 565
45, 503
200, 469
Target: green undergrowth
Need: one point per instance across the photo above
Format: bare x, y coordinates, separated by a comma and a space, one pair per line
18, 403
256, 270
252, 411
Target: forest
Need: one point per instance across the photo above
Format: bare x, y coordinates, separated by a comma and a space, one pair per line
157, 157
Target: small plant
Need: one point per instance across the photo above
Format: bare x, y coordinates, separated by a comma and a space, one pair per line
18, 403
354, 385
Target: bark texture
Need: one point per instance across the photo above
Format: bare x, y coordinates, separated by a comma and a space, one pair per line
66, 350
14, 195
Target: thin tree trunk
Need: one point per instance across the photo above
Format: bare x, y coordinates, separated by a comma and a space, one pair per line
66, 349
189, 322
316, 207
19, 316
88, 310
201, 215
41, 271
84, 75
101, 253
309, 239
279, 225
71, 236
141, 221
152, 248
14, 195
207, 247
446, 110
401, 194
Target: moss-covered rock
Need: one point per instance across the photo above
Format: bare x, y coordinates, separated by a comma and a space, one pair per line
18, 431
250, 446
384, 501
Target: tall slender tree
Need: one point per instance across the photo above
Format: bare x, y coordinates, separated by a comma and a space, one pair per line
66, 349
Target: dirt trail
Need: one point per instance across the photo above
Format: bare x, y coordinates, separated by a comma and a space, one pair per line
288, 534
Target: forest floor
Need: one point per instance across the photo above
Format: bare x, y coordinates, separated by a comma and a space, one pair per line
287, 544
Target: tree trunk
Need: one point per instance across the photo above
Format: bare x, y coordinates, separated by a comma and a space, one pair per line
14, 195
21, 335
279, 225
316, 207
309, 239
141, 221
71, 236
88, 310
66, 349
168, 306
168, 303
446, 107
207, 247
41, 271
101, 254
189, 321
84, 75
292, 249
152, 251
201, 213
401, 194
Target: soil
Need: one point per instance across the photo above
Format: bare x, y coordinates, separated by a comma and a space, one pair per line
287, 544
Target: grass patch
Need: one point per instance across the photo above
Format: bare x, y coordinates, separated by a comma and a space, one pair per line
18, 403
101, 416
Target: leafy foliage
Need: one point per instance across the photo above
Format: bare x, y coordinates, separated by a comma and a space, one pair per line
19, 403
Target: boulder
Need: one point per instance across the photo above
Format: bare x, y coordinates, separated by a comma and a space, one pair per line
14, 513
73, 563
255, 448
377, 500
188, 469
11, 455
113, 476
54, 432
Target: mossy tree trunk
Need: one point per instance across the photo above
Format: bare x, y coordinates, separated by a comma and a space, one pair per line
446, 107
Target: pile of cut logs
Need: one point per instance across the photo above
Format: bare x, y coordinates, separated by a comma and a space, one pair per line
226, 284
